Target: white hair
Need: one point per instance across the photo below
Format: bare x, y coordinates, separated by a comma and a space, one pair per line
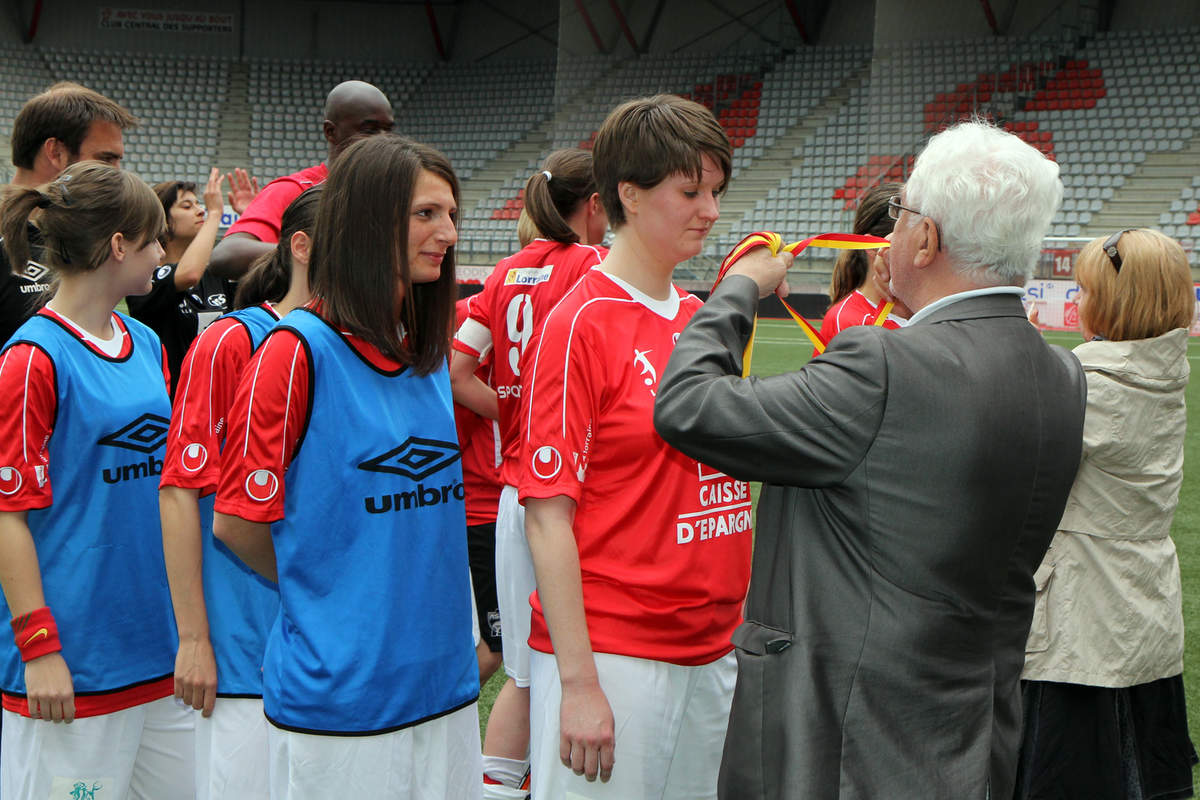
992, 196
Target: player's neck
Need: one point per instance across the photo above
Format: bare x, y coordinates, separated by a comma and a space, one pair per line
869, 291
297, 293
174, 250
85, 302
637, 267
32, 178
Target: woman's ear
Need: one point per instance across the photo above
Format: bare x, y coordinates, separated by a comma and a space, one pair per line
630, 195
118, 245
301, 246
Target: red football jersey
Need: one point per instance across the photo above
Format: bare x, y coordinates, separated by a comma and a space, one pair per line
208, 379
664, 542
264, 216
27, 383
853, 309
479, 443
515, 300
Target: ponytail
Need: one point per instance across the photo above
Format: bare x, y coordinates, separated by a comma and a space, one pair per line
848, 274
554, 193
270, 275
267, 280
80, 212
851, 268
14, 222
526, 230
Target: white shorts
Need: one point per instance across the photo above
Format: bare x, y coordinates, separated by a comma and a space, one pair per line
514, 583
231, 751
436, 760
669, 720
140, 752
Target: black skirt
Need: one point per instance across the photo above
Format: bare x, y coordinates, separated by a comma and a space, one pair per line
1094, 743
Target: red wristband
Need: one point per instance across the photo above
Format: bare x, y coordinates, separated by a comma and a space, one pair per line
36, 633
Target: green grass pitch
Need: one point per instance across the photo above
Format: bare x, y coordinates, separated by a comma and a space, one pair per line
781, 347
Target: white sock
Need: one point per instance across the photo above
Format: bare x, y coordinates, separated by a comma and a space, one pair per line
497, 791
508, 771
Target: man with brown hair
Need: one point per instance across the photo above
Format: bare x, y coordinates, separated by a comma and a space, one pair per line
64, 124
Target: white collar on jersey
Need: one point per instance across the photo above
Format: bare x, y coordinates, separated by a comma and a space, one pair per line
667, 309
111, 347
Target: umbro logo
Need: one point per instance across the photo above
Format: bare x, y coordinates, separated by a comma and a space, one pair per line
145, 434
34, 271
415, 459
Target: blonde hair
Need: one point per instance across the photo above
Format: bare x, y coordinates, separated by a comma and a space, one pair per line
527, 229
1150, 295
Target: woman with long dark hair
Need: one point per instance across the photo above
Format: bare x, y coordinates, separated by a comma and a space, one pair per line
340, 481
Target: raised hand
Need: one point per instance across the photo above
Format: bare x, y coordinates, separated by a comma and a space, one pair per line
242, 189
212, 194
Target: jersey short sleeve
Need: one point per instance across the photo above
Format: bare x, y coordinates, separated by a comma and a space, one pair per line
208, 380
27, 384
853, 309
264, 215
565, 392
474, 336
266, 422
22, 291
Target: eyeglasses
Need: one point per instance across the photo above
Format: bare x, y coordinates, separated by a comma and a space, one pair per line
894, 209
1110, 248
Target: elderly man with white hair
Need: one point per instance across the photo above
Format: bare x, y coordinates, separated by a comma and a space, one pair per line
912, 480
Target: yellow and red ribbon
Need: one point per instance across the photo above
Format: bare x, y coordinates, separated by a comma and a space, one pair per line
774, 242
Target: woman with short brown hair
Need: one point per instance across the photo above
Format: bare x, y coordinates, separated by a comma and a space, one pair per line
642, 555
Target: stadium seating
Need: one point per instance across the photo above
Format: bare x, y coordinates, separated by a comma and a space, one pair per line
285, 99
813, 127
24, 75
178, 100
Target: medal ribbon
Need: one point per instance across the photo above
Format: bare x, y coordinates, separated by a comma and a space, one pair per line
774, 243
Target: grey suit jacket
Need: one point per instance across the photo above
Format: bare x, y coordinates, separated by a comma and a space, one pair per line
912, 482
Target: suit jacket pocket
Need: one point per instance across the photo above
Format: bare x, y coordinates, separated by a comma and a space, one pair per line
756, 743
1039, 629
760, 640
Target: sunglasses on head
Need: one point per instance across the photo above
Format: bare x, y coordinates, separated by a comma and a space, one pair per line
1110, 248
